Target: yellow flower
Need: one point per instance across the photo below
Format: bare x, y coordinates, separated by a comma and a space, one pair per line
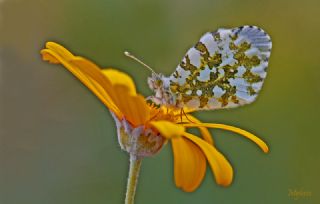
143, 128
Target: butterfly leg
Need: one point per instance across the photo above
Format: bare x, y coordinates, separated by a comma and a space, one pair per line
184, 113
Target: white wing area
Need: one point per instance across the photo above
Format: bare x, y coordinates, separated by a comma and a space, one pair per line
224, 69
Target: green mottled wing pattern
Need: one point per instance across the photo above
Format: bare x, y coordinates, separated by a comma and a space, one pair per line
224, 69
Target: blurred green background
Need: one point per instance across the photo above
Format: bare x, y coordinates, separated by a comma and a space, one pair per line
58, 142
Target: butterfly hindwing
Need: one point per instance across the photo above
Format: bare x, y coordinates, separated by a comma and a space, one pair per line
224, 69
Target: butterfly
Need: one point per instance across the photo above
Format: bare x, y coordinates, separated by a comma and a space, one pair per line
225, 69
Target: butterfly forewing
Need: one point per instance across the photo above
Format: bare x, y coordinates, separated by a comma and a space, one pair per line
224, 69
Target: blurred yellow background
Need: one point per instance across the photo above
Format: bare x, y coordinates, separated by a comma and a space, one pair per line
58, 142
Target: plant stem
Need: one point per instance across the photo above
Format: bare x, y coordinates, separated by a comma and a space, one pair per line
134, 169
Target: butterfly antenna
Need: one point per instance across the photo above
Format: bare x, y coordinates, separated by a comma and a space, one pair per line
128, 54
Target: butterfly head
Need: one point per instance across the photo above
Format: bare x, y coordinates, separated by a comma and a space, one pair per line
155, 81
160, 85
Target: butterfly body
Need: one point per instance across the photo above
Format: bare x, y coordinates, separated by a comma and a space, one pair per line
225, 69
161, 86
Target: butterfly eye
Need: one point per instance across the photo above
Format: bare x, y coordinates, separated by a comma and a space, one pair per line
158, 82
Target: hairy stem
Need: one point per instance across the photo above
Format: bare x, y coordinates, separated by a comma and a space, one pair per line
134, 169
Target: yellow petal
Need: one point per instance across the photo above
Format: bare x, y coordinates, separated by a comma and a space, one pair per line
220, 166
95, 87
90, 69
189, 164
123, 94
87, 72
168, 129
244, 133
133, 107
206, 135
59, 50
121, 78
